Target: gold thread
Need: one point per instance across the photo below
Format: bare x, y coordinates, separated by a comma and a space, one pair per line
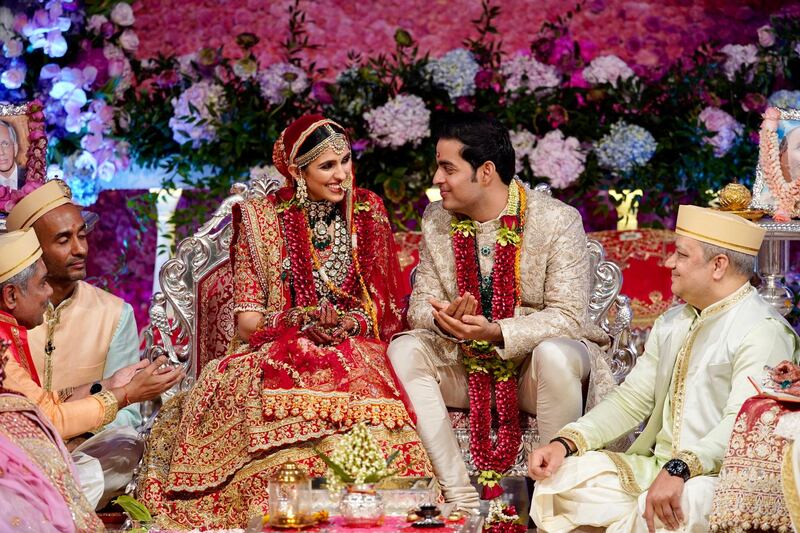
790, 485
625, 473
577, 438
53, 319
692, 460
681, 369
725, 244
110, 407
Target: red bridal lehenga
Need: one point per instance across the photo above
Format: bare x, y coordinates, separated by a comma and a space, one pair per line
214, 448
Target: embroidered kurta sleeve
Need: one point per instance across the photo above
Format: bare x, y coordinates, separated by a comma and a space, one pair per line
124, 351
768, 343
566, 294
69, 418
623, 409
426, 286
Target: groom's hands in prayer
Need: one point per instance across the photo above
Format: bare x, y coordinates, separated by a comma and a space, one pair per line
458, 319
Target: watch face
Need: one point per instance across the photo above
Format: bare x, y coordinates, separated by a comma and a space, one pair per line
676, 467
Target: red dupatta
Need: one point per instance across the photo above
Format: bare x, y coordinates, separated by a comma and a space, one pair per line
19, 349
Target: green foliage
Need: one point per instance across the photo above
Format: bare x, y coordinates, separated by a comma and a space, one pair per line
666, 103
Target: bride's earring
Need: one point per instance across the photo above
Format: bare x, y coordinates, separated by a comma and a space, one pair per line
348, 181
301, 191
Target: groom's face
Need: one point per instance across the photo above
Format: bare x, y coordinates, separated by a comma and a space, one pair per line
455, 177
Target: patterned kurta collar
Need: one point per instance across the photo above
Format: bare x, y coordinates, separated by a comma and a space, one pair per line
722, 305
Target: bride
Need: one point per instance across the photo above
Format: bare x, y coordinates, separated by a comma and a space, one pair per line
317, 295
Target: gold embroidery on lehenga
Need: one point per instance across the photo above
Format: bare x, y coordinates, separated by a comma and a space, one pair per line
789, 483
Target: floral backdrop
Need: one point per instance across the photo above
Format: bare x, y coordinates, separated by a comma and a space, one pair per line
601, 95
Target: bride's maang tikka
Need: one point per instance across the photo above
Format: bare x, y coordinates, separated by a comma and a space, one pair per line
334, 140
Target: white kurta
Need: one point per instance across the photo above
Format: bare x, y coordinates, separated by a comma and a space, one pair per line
690, 383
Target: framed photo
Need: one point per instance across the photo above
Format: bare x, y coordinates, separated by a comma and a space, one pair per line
781, 153
23, 151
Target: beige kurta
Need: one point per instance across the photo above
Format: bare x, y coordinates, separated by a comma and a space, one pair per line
690, 383
79, 332
555, 281
91, 335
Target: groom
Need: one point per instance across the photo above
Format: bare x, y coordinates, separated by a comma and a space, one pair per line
547, 336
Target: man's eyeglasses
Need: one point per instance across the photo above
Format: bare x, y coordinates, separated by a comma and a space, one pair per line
5, 145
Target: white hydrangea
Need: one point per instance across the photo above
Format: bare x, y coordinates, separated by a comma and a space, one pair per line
403, 119
607, 69
523, 142
455, 72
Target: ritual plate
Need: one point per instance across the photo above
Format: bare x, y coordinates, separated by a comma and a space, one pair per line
775, 394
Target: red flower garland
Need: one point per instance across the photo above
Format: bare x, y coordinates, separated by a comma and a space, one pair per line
484, 365
303, 260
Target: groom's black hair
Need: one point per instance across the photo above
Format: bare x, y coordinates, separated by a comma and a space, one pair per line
484, 138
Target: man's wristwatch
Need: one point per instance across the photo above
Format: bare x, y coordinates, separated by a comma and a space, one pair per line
96, 387
677, 468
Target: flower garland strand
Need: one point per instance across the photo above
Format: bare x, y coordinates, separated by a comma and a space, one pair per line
304, 260
786, 194
486, 369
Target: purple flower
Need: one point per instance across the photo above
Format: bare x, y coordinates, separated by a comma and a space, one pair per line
320, 92
184, 122
360, 145
725, 127
766, 36
525, 74
12, 48
281, 80
739, 57
13, 78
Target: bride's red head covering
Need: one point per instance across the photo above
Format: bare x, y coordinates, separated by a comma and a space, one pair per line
285, 151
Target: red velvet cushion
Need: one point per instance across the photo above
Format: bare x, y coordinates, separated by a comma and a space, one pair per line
641, 255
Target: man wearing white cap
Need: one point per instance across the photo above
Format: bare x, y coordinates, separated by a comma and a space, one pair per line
108, 461
688, 386
65, 352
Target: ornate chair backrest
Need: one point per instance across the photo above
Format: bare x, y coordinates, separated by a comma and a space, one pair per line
191, 320
607, 307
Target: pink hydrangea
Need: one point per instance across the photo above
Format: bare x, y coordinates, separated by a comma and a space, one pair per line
184, 122
739, 57
558, 159
607, 69
725, 127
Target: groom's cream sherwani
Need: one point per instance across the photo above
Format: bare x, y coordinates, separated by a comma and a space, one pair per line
553, 322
